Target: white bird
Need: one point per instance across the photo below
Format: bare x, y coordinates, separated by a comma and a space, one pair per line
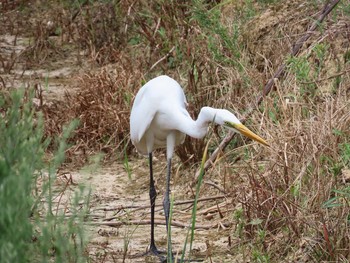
159, 119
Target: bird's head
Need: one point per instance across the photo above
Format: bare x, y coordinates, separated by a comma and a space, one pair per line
227, 119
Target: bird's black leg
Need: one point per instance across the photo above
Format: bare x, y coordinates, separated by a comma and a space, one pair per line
166, 205
152, 196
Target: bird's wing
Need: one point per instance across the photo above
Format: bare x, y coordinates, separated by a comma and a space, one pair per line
141, 116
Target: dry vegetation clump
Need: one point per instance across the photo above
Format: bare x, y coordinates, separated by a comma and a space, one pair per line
270, 35
34, 40
291, 201
282, 191
11, 24
102, 107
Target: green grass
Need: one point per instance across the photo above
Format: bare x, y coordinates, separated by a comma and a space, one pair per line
194, 209
342, 195
222, 44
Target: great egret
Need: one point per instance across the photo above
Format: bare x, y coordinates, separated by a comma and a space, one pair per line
159, 119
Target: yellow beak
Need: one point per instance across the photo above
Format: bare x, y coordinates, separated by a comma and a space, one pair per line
246, 132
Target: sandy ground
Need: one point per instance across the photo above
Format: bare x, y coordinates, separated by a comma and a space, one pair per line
117, 198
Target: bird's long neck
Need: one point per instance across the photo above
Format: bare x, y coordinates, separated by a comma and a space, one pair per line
199, 128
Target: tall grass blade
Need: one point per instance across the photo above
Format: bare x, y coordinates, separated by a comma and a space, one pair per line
194, 209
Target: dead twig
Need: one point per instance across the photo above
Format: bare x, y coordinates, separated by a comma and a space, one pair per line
162, 222
222, 190
3, 82
328, 7
138, 207
161, 59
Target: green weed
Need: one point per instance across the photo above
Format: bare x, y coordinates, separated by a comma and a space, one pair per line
239, 218
222, 44
301, 68
30, 229
194, 209
345, 153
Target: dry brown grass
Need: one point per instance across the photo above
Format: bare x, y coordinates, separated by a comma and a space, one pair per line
282, 190
102, 107
285, 186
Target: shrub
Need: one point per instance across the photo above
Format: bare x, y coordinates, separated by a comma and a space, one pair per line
31, 230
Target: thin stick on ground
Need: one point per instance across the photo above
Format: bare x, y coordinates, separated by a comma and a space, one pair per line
161, 222
138, 207
328, 7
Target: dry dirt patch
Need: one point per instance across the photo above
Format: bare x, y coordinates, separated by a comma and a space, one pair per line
116, 198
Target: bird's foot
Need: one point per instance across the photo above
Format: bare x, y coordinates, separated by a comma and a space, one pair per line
153, 250
164, 259
162, 255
